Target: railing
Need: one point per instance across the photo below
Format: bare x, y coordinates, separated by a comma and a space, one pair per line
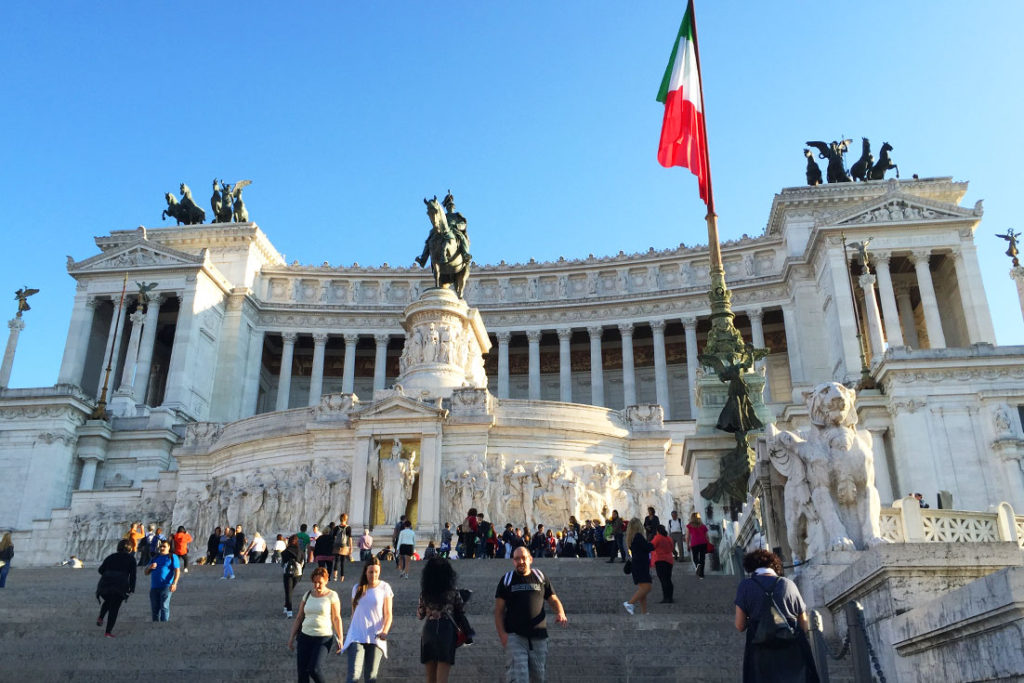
857, 644
906, 522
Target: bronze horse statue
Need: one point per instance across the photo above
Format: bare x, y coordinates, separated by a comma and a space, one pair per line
449, 267
186, 211
884, 164
860, 170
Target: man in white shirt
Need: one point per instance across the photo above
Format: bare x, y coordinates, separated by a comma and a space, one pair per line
677, 533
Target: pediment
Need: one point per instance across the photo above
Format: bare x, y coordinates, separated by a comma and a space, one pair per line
136, 255
897, 207
400, 408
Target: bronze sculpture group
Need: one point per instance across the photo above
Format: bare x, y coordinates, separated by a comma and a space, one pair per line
865, 168
447, 245
226, 203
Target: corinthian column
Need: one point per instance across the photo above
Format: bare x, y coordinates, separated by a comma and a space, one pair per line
533, 344
16, 325
284, 381
348, 378
564, 365
690, 328
596, 366
116, 324
628, 371
867, 285
932, 320
906, 311
77, 344
503, 339
316, 378
130, 359
888, 299
146, 347
660, 367
380, 360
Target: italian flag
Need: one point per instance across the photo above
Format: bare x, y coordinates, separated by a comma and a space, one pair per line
683, 137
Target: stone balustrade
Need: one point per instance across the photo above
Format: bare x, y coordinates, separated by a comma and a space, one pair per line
906, 522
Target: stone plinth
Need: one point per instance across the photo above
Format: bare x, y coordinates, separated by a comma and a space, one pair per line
444, 346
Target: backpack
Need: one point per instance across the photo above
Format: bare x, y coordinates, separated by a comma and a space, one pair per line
773, 629
293, 568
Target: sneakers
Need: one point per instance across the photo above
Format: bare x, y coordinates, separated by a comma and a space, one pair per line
629, 607
99, 621
284, 611
108, 635
232, 576
288, 613
186, 570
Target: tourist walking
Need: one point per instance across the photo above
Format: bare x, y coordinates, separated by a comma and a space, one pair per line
441, 606
365, 546
292, 561
651, 523
213, 547
240, 545
163, 572
782, 662
520, 620
279, 546
227, 548
663, 561
366, 642
179, 547
146, 546
117, 581
678, 535
640, 558
697, 540
446, 540
406, 547
323, 550
341, 547
6, 555
317, 625
257, 550
615, 535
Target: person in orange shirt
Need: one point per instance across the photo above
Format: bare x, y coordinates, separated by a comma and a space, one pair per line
135, 534
661, 556
179, 546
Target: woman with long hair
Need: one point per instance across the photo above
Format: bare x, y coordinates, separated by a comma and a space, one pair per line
697, 540
213, 546
291, 560
367, 639
790, 661
640, 558
406, 547
440, 605
118, 573
663, 561
6, 554
316, 626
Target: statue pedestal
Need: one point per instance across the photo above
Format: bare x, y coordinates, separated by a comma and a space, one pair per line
444, 345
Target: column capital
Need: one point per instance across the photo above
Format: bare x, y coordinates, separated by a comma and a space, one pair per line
564, 334
503, 337
137, 317
1017, 273
690, 321
351, 339
757, 313
381, 339
626, 329
289, 337
918, 256
533, 336
867, 281
657, 326
320, 338
16, 324
91, 301
881, 258
595, 331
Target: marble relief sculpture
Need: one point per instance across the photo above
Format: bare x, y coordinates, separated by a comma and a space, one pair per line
831, 502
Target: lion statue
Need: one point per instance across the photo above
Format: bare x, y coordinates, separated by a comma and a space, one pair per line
831, 499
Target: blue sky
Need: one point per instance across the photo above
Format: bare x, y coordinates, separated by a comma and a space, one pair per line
540, 116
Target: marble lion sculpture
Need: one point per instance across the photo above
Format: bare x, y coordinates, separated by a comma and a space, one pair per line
831, 499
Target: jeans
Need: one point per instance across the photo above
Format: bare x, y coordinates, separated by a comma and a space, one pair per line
3, 574
588, 548
363, 662
525, 659
308, 651
229, 573
160, 603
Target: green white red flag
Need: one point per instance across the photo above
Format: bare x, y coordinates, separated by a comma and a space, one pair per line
683, 136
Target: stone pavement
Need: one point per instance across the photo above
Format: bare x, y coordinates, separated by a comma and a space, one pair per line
235, 630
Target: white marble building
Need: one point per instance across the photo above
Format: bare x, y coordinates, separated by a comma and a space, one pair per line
250, 387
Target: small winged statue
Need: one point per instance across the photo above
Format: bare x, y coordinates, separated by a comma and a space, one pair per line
1011, 251
144, 289
21, 296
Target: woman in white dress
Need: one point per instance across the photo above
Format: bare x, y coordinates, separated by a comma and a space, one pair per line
367, 640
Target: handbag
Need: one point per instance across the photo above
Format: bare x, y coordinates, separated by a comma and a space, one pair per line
628, 567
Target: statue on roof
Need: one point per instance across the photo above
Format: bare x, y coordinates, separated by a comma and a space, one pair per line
21, 296
185, 211
813, 170
834, 152
1011, 251
447, 245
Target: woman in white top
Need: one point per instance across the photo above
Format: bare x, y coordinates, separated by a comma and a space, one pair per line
316, 625
406, 546
367, 638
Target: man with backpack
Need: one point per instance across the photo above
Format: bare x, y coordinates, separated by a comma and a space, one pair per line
341, 546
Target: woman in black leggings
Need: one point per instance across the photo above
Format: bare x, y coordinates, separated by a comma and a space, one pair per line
117, 581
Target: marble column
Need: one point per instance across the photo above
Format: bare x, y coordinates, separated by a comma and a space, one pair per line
253, 369
596, 366
146, 346
380, 361
883, 478
963, 285
792, 332
628, 369
503, 339
316, 378
888, 298
1017, 275
867, 285
756, 317
131, 358
690, 328
932, 319
88, 479
116, 325
77, 345
565, 365
284, 381
906, 311
16, 325
533, 342
972, 276
845, 320
348, 378
661, 367
178, 388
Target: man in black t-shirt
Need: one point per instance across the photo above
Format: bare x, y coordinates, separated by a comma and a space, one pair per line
520, 621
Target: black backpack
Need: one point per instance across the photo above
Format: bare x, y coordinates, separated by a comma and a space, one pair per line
773, 629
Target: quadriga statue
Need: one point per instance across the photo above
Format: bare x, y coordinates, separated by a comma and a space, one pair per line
831, 499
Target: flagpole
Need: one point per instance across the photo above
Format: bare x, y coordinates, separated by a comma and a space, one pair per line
724, 340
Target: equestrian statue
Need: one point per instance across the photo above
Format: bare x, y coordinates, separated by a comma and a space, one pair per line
447, 245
